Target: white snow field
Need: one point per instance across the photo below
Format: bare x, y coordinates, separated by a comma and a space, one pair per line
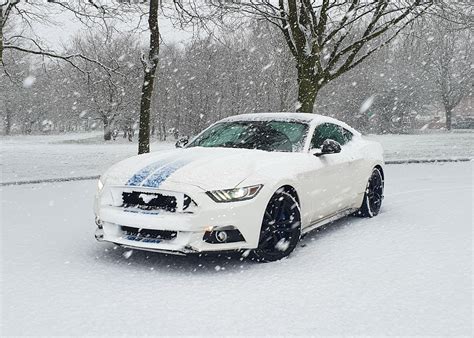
58, 156
85, 154
407, 271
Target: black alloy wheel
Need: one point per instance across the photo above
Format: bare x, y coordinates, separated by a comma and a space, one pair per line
281, 228
373, 195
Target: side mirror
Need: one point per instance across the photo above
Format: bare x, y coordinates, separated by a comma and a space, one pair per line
181, 143
329, 147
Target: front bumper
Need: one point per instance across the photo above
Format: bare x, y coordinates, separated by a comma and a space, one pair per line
190, 228
184, 243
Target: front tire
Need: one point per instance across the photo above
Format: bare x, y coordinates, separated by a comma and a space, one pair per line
281, 228
373, 195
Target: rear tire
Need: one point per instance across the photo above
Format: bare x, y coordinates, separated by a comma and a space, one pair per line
281, 228
373, 195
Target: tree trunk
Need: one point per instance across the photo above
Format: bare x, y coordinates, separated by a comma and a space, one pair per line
163, 128
1, 34
449, 116
308, 88
107, 129
8, 121
150, 65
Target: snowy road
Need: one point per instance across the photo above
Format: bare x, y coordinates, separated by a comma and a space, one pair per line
406, 272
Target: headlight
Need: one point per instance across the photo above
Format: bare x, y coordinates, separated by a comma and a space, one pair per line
100, 185
233, 195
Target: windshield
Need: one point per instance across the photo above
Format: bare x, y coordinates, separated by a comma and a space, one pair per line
285, 136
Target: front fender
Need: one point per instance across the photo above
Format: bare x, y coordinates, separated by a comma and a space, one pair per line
270, 187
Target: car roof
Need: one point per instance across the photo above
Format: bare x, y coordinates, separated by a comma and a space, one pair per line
312, 119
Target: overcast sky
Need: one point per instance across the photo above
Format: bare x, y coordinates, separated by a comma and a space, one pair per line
66, 25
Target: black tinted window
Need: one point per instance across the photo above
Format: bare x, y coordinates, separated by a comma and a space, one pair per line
330, 131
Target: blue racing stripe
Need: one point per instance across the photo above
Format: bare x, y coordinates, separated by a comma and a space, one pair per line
138, 178
163, 173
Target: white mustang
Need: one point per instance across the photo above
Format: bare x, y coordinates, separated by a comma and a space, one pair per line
249, 182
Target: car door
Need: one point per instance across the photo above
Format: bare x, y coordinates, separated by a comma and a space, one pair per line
357, 169
331, 184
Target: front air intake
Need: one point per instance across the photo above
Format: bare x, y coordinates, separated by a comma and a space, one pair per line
152, 201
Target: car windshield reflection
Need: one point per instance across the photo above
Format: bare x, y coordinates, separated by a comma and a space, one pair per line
285, 136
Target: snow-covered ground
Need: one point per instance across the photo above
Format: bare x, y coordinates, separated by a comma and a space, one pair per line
437, 145
67, 155
71, 155
406, 272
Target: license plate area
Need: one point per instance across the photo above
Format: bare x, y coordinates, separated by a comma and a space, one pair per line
149, 199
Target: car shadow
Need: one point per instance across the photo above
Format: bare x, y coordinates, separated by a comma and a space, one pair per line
204, 262
153, 261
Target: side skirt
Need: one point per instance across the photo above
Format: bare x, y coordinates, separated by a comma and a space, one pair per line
328, 219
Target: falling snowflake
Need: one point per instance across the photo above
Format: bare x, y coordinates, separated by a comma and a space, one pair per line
367, 104
267, 66
127, 254
282, 245
245, 253
29, 81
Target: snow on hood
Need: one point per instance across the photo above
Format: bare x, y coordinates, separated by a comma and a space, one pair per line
207, 168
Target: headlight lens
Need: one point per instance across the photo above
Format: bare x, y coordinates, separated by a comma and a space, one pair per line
233, 195
100, 185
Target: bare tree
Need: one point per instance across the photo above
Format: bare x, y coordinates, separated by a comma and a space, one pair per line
22, 15
150, 63
327, 38
459, 14
10, 88
18, 19
448, 55
110, 96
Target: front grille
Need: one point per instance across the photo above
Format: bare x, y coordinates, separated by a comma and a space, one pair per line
140, 234
152, 201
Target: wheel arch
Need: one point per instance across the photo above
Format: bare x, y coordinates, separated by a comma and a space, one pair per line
301, 195
292, 191
379, 167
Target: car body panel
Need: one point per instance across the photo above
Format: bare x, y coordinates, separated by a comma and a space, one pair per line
327, 186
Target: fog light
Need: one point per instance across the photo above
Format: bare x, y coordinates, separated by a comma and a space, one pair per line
98, 222
221, 236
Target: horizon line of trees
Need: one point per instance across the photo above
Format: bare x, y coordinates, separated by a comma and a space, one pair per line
250, 69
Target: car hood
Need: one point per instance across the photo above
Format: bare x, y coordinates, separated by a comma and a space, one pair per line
207, 168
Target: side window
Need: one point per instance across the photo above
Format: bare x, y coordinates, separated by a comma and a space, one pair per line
347, 135
329, 131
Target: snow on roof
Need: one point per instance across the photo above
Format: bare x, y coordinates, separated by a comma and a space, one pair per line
273, 116
288, 116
